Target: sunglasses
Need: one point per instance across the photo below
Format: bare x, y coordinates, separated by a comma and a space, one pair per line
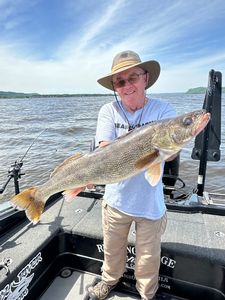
132, 79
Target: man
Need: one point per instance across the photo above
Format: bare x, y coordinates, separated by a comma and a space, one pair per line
133, 199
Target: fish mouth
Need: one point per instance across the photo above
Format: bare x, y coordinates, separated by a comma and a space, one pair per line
202, 124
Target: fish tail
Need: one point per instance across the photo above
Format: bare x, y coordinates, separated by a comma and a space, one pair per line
28, 201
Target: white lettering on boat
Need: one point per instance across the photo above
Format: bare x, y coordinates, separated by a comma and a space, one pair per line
130, 254
18, 289
164, 282
169, 262
130, 249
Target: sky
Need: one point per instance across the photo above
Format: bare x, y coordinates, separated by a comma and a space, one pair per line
64, 46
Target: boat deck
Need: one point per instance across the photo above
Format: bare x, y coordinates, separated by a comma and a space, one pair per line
75, 288
69, 236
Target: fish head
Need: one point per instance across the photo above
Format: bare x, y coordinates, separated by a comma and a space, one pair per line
178, 131
189, 126
167, 138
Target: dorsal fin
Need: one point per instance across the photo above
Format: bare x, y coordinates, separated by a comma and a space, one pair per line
66, 162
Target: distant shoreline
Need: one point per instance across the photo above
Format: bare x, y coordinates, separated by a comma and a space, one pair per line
6, 95
200, 90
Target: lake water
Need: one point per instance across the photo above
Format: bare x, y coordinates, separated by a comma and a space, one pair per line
70, 126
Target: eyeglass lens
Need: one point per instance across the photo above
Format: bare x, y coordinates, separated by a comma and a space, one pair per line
131, 79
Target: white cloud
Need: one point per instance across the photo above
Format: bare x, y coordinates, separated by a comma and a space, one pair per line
179, 78
86, 55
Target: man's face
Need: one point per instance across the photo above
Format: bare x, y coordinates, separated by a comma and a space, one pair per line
130, 85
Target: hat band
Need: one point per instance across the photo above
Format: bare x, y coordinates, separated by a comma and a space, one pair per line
124, 64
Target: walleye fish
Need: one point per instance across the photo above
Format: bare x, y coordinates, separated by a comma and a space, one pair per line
142, 149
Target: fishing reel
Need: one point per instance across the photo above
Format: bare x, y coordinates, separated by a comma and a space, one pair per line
15, 170
15, 173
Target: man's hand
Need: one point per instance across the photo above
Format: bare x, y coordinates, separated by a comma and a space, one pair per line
103, 144
172, 157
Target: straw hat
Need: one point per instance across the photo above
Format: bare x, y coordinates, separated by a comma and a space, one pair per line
129, 59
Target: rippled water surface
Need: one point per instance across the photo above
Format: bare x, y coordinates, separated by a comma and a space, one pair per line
69, 125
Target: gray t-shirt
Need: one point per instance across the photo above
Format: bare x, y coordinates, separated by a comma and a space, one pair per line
133, 196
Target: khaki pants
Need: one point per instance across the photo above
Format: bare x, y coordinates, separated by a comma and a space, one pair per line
116, 226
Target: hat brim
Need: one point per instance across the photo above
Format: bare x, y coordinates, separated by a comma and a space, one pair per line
151, 66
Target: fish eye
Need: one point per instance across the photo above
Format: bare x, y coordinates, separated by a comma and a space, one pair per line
187, 121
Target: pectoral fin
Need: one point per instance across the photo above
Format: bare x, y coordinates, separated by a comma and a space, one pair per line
153, 174
69, 195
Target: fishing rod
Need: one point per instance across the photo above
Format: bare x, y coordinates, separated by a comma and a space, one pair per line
15, 169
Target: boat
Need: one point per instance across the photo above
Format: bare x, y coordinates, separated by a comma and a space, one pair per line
61, 256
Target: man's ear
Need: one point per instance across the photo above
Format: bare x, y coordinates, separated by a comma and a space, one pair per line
146, 79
